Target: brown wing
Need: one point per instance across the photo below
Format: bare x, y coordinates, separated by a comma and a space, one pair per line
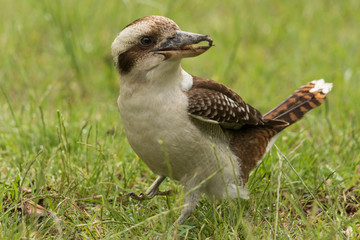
213, 102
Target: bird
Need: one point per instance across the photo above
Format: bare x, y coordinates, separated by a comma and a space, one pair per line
196, 131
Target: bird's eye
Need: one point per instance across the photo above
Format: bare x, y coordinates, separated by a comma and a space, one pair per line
146, 41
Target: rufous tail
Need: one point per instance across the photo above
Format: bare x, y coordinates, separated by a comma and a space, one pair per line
300, 102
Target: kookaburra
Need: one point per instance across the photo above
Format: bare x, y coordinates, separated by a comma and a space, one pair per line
192, 129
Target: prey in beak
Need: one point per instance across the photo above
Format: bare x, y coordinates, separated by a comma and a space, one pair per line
183, 45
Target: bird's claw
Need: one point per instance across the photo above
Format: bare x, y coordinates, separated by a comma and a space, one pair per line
164, 193
139, 197
150, 195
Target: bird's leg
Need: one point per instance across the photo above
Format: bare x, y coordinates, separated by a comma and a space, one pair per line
190, 202
154, 188
152, 191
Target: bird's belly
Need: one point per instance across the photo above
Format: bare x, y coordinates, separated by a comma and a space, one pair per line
164, 137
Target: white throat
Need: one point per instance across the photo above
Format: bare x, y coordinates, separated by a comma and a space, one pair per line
168, 75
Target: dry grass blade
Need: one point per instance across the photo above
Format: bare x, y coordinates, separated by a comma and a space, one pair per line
29, 207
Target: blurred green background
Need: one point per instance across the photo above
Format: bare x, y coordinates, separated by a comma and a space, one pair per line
58, 97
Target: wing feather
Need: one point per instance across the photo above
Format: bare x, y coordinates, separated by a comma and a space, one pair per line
213, 102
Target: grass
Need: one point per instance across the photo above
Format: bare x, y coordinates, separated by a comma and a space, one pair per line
65, 164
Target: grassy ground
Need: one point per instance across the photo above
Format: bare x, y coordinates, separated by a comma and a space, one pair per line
65, 164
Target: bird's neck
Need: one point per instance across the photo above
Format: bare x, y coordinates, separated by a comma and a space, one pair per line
167, 73
167, 76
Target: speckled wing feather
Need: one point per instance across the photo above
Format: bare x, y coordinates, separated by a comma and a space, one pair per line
211, 101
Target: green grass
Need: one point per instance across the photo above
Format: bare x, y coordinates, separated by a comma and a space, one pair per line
62, 144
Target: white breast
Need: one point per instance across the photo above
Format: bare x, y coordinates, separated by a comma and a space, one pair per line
162, 134
158, 128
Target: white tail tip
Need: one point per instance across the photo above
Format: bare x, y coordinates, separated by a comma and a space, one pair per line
321, 85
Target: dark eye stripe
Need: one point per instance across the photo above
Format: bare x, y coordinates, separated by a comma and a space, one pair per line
126, 60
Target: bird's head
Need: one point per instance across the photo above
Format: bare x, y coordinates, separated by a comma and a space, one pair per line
153, 41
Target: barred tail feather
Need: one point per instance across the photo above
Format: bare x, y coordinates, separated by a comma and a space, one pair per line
300, 102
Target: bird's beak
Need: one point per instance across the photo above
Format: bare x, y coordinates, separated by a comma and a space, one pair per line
184, 44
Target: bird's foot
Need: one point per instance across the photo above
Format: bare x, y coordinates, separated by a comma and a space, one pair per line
149, 195
139, 197
164, 193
